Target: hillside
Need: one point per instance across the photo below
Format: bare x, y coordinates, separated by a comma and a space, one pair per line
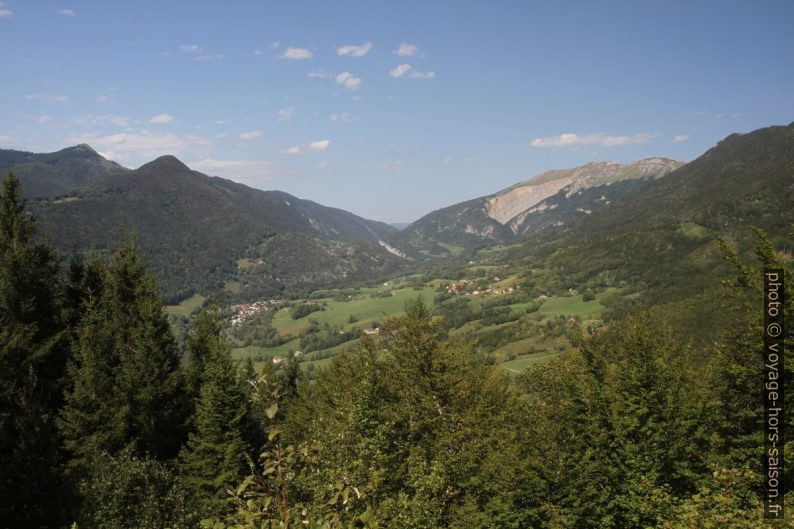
196, 230
57, 173
659, 240
549, 200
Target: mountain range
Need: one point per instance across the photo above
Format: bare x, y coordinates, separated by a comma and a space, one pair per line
547, 201
198, 231
649, 221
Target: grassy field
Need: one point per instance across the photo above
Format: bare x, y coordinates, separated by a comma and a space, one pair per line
451, 248
520, 364
365, 310
575, 306
494, 249
187, 306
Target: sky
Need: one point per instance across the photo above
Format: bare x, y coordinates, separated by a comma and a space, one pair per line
391, 109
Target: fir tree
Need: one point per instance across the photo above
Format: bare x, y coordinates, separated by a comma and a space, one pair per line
127, 390
214, 457
32, 361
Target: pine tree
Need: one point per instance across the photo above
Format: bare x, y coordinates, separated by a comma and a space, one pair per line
32, 362
213, 459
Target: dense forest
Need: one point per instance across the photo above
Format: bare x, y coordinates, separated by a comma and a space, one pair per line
106, 421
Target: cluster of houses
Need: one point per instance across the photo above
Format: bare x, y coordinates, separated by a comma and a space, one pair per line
245, 310
459, 287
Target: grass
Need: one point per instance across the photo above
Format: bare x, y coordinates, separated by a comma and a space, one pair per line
239, 353
286, 326
520, 347
572, 306
451, 248
366, 309
233, 287
186, 307
694, 230
519, 365
493, 249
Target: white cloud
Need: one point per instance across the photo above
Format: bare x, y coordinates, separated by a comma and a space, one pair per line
343, 117
5, 12
104, 99
286, 114
239, 170
400, 70
46, 97
161, 118
353, 50
423, 75
190, 48
320, 74
119, 121
44, 118
406, 50
575, 140
315, 146
393, 167
67, 12
678, 138
321, 164
448, 159
251, 135
403, 69
258, 52
209, 57
136, 146
347, 80
297, 54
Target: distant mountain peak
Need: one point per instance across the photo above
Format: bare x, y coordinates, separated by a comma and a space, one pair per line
83, 146
166, 162
548, 200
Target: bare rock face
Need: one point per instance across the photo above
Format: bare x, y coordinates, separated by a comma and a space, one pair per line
508, 204
515, 203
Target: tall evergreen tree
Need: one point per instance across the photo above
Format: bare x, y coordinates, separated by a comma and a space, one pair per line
32, 361
213, 459
127, 390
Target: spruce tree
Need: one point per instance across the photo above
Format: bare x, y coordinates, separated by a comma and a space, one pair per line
32, 360
127, 390
213, 459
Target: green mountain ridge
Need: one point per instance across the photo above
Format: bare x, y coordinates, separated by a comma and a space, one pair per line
658, 239
194, 228
57, 173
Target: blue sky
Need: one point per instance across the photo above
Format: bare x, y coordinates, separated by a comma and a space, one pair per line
391, 109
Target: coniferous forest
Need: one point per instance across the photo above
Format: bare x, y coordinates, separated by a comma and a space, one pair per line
107, 420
